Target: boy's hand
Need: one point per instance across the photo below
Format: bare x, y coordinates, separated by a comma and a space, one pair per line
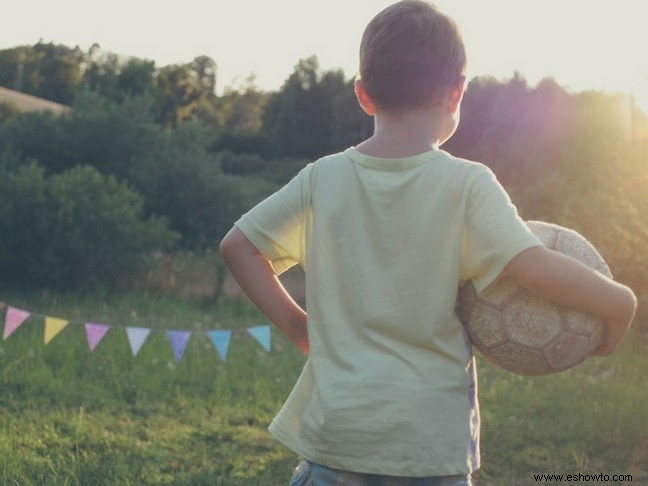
616, 329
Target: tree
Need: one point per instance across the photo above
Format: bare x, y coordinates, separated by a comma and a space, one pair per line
298, 120
239, 111
350, 125
73, 229
60, 72
183, 88
100, 72
19, 69
39, 136
182, 180
111, 136
136, 77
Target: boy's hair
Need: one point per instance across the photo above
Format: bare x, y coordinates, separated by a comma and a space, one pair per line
410, 52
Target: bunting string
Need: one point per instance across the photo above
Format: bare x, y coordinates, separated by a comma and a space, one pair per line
136, 336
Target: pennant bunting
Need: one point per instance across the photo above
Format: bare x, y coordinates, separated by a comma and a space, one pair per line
262, 335
221, 341
95, 333
178, 340
13, 319
53, 326
136, 337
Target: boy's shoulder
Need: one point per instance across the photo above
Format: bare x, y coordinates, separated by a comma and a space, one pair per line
436, 163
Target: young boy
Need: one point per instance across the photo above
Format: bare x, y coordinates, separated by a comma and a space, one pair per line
385, 232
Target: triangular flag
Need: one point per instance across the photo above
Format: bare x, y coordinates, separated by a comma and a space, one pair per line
95, 333
13, 319
262, 335
52, 327
136, 337
220, 340
178, 340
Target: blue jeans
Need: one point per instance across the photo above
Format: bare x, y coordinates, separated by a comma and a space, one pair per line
312, 474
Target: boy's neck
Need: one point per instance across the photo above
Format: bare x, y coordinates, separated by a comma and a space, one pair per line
407, 134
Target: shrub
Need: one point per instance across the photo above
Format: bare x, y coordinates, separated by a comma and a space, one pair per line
73, 229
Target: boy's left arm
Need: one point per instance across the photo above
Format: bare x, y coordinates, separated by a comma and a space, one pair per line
257, 279
566, 281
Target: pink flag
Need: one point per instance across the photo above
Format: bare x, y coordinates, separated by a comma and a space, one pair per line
95, 333
13, 319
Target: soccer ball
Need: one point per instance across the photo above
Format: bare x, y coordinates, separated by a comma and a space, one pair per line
528, 335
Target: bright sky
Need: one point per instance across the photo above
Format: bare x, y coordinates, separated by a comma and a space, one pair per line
583, 44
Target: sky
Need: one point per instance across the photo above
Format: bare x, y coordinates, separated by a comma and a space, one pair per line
582, 44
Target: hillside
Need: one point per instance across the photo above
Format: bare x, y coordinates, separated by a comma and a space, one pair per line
27, 102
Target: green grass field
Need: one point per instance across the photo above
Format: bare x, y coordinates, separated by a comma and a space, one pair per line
69, 416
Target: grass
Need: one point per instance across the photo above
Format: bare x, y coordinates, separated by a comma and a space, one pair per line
69, 416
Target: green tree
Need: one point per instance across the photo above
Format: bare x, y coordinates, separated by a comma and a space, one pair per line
350, 125
298, 120
8, 112
101, 70
73, 229
60, 71
110, 135
239, 111
182, 89
40, 136
20, 69
182, 180
136, 77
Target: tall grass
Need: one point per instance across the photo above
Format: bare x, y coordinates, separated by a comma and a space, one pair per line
75, 417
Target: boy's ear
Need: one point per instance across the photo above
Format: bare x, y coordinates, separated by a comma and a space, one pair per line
363, 98
456, 94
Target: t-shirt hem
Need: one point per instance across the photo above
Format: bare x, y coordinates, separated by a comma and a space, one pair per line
413, 469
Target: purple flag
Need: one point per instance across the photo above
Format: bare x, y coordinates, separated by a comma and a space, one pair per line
178, 340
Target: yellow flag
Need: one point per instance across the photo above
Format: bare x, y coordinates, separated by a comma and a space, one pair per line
52, 327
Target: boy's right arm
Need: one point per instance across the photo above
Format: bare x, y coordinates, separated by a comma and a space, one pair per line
564, 280
258, 280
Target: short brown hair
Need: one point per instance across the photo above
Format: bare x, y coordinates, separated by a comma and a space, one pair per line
409, 53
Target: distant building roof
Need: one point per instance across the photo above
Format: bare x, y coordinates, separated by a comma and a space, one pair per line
27, 102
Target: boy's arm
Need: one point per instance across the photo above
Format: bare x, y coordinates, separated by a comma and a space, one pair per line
258, 280
564, 280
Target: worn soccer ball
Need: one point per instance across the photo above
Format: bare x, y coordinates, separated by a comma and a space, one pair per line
528, 335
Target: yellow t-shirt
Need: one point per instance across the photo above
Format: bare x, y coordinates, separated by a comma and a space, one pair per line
389, 386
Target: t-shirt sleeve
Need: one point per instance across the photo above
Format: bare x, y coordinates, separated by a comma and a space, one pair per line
276, 226
494, 232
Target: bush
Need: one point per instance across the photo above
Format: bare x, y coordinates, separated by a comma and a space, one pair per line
74, 229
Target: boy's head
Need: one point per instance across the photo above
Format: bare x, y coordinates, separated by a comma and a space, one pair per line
409, 55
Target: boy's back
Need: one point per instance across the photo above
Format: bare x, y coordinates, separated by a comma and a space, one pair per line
384, 243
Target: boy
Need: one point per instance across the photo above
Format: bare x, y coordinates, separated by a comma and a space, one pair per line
385, 232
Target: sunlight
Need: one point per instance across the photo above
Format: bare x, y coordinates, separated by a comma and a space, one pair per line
639, 91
